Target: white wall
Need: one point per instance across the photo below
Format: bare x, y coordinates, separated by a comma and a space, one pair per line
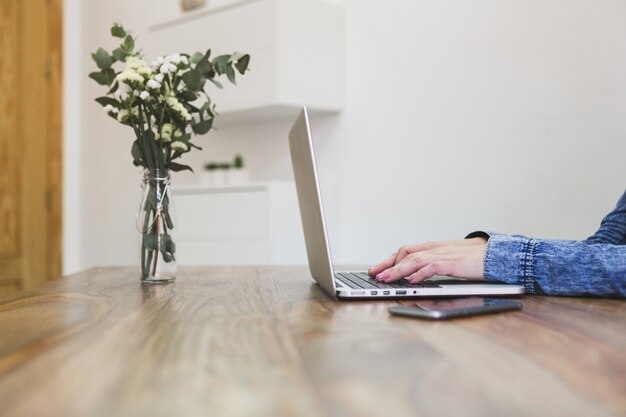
501, 115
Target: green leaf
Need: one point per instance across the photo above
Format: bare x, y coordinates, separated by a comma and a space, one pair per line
168, 243
202, 127
149, 135
196, 57
221, 63
188, 96
168, 219
203, 65
103, 59
114, 88
242, 64
118, 31
137, 152
128, 44
173, 166
120, 54
230, 73
236, 56
166, 256
98, 77
104, 77
108, 100
193, 80
150, 241
184, 138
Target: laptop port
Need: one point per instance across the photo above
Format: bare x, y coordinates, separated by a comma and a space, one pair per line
386, 292
374, 292
401, 292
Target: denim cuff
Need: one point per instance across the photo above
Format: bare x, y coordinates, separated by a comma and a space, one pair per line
510, 259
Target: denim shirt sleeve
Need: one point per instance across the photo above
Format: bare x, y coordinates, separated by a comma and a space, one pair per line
596, 266
613, 227
557, 267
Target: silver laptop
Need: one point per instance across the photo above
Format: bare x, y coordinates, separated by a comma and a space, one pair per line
346, 285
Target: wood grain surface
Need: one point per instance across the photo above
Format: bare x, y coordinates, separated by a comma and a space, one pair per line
266, 341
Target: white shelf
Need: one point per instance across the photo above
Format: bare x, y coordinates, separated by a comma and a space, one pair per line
248, 224
216, 189
296, 47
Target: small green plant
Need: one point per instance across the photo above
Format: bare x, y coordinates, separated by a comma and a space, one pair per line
237, 164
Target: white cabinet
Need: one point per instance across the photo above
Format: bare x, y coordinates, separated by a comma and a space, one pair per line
254, 224
297, 50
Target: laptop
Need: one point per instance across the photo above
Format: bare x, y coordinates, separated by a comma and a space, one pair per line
357, 285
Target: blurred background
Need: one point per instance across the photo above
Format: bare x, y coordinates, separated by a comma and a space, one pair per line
431, 119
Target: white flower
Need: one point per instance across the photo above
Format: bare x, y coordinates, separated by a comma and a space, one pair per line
176, 106
168, 68
144, 72
166, 132
159, 78
184, 60
153, 84
122, 92
129, 77
179, 146
144, 95
109, 109
158, 61
174, 58
122, 116
134, 62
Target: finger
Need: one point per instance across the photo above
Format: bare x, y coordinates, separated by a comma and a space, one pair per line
402, 253
380, 267
432, 269
405, 251
409, 265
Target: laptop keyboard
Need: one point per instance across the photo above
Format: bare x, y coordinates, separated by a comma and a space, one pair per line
362, 280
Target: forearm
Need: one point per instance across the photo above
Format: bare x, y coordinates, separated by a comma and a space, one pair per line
557, 267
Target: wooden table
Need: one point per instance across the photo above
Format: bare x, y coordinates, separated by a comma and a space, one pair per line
267, 342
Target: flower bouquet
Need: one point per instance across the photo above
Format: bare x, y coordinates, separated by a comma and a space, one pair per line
165, 104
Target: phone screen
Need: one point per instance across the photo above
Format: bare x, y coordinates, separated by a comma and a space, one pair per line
454, 307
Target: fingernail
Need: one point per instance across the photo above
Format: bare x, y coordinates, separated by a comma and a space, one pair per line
383, 276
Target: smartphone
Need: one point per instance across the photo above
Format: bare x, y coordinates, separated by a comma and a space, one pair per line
448, 308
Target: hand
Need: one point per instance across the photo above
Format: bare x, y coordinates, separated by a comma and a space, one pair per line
458, 258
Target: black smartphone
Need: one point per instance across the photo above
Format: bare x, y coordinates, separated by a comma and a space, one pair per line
448, 308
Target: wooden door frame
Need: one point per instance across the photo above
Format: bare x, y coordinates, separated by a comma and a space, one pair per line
37, 25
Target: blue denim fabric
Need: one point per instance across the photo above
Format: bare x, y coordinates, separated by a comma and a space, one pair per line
592, 267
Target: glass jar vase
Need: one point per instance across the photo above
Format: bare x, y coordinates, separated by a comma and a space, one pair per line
155, 223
